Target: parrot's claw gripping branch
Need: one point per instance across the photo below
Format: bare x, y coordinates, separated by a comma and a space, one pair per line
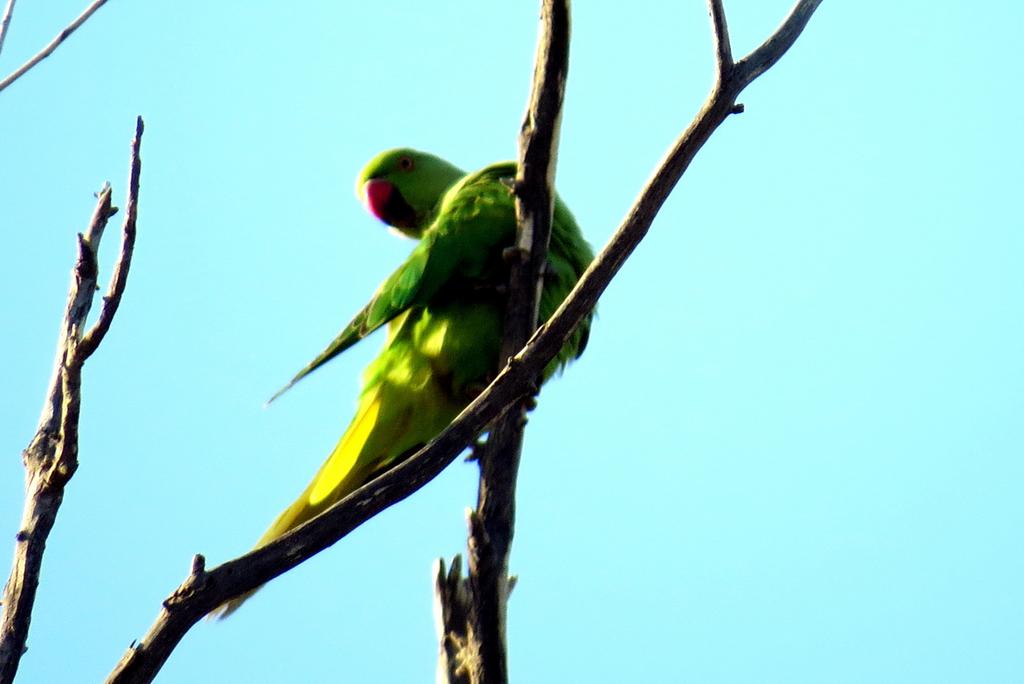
474, 451
515, 255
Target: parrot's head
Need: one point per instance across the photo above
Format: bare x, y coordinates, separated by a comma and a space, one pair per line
403, 187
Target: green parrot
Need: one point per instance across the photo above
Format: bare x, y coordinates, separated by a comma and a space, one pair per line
444, 309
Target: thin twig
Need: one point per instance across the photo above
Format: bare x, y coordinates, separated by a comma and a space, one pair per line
52, 456
201, 594
5, 22
771, 50
119, 277
720, 36
53, 45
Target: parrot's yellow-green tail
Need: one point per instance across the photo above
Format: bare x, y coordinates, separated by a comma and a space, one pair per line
346, 469
393, 420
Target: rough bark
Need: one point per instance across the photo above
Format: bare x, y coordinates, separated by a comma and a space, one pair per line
52, 456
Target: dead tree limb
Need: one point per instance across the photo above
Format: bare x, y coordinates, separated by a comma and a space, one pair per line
52, 456
481, 656
204, 590
52, 45
5, 22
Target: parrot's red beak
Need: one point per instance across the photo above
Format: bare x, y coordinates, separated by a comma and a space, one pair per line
376, 193
385, 201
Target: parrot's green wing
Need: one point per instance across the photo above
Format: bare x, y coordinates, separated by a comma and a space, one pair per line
393, 297
473, 218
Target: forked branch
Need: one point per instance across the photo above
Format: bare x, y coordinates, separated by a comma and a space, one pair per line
52, 457
204, 590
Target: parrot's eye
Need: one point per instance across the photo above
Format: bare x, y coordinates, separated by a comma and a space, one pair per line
405, 163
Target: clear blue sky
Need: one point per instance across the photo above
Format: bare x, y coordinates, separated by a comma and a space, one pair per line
792, 451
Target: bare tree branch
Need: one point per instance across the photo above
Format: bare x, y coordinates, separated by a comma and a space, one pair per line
204, 591
492, 527
720, 35
52, 456
119, 277
458, 655
53, 45
5, 21
472, 611
770, 51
